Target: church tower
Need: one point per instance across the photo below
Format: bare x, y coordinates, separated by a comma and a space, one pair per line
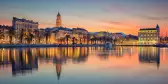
58, 20
157, 26
158, 32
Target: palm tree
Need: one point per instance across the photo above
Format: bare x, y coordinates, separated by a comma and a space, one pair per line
47, 35
115, 40
40, 37
1, 35
11, 34
104, 39
101, 40
73, 40
84, 38
30, 38
21, 36
80, 40
95, 40
92, 40
88, 38
67, 38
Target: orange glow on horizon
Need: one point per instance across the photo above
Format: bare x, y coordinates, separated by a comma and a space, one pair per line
124, 27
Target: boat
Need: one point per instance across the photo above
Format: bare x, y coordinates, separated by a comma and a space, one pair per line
108, 45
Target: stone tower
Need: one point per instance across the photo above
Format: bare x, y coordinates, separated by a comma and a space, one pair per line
58, 20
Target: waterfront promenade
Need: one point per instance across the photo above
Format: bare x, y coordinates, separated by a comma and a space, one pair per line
70, 45
47, 45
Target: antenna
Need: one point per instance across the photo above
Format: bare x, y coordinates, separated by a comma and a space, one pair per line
166, 36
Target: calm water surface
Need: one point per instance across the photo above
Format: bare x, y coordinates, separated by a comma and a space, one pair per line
84, 65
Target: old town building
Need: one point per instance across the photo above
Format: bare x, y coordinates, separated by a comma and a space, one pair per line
149, 36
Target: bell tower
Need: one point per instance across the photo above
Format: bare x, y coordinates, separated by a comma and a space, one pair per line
58, 20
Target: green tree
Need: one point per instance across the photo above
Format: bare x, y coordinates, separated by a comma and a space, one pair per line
21, 36
88, 38
47, 35
84, 38
104, 39
73, 40
67, 38
1, 34
11, 34
40, 37
30, 38
80, 40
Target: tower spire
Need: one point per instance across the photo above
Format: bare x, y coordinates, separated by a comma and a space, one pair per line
58, 20
157, 26
58, 14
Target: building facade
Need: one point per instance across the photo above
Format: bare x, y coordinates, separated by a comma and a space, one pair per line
58, 20
23, 28
149, 36
42, 36
4, 34
80, 34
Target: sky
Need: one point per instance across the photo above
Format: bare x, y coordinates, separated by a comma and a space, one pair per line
126, 16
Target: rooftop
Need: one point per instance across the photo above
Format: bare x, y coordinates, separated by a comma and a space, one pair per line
58, 28
5, 26
148, 29
79, 29
24, 20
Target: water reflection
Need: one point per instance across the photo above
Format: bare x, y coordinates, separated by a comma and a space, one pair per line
21, 60
149, 55
119, 51
25, 60
97, 64
58, 62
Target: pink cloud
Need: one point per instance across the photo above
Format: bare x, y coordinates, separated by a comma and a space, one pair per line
128, 23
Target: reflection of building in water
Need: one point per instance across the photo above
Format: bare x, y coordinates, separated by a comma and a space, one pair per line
119, 51
80, 54
58, 62
77, 54
103, 53
149, 55
21, 59
4, 57
116, 51
24, 62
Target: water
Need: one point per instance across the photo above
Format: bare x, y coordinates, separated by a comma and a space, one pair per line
86, 65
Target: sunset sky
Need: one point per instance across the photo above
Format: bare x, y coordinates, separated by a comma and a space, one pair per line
94, 15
